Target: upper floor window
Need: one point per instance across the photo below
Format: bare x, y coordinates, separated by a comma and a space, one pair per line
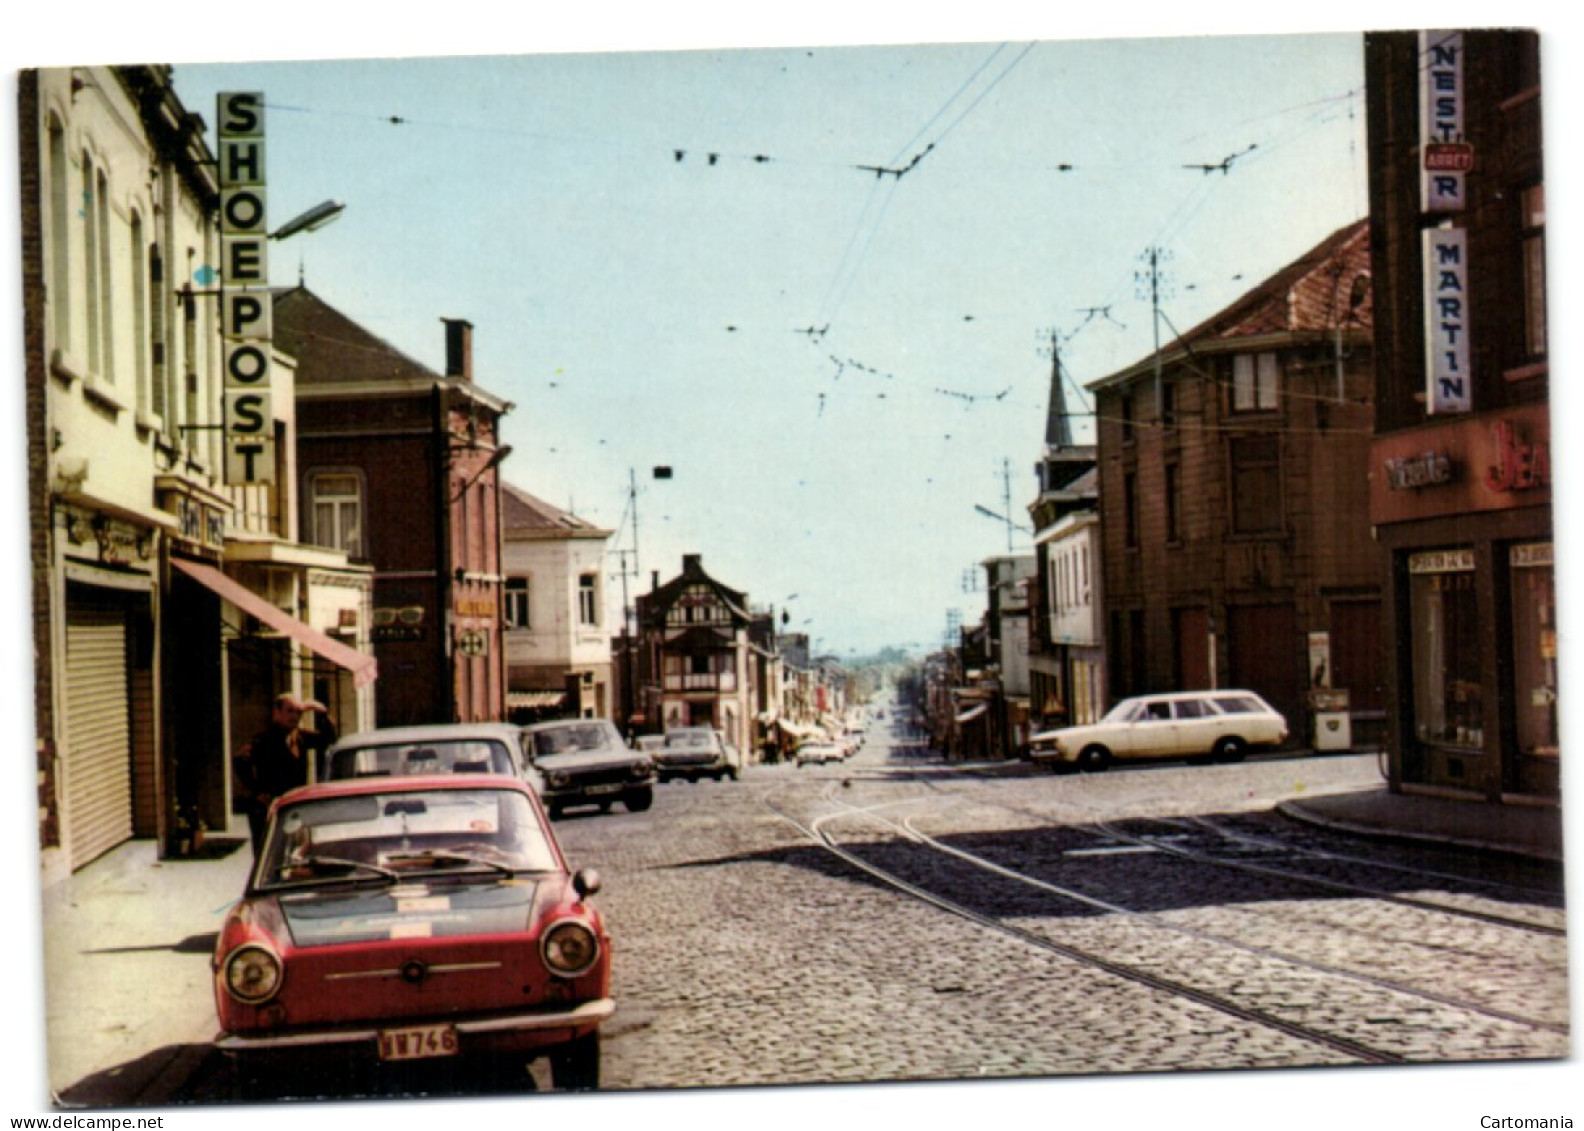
335, 504
1256, 484
588, 599
1534, 272
519, 612
90, 256
60, 212
1256, 382
1173, 503
1130, 515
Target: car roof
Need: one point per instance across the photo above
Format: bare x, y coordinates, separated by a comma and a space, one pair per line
429, 732
552, 724
418, 783
1196, 693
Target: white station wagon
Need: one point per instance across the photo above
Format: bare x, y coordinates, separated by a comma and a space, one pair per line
1201, 726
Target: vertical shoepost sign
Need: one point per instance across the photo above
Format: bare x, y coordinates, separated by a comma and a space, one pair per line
246, 323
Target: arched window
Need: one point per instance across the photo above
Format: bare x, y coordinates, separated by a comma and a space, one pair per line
141, 344
60, 224
90, 230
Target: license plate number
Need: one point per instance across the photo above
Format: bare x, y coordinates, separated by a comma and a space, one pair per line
593, 789
417, 1042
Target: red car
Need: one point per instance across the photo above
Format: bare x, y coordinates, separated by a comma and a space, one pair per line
400, 919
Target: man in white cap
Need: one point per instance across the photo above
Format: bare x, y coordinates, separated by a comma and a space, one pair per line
278, 758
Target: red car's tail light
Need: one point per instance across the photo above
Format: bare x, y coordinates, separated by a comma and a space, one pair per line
569, 948
252, 973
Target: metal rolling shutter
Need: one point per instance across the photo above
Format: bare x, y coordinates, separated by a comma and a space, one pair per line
98, 756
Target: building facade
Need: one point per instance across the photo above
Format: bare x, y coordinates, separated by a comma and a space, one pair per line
170, 605
696, 656
399, 467
557, 631
1234, 499
1066, 637
1460, 464
1067, 667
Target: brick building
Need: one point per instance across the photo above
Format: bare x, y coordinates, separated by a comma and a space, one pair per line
1460, 466
1234, 498
398, 466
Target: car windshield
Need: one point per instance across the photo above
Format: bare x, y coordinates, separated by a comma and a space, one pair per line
689, 738
387, 836
443, 756
574, 738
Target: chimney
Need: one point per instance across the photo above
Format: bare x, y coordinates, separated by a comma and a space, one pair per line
654, 579
459, 348
692, 563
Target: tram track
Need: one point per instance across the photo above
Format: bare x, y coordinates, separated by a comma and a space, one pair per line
1322, 883
1222, 1004
955, 900
1103, 826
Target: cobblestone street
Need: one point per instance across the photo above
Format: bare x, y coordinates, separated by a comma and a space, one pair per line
749, 954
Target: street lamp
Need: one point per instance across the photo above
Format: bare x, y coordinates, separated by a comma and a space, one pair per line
318, 216
312, 220
1010, 525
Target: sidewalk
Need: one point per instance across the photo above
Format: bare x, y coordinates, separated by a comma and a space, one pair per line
127, 942
1518, 830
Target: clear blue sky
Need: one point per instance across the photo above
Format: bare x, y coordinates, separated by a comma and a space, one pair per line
639, 239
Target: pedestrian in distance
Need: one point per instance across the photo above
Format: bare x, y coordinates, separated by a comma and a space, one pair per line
278, 758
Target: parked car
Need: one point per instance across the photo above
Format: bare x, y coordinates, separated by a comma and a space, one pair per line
1198, 725
818, 753
649, 743
444, 748
585, 762
697, 752
397, 919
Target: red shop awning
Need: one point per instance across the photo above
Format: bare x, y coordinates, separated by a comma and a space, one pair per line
364, 668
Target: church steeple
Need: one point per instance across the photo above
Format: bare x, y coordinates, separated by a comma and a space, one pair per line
1058, 427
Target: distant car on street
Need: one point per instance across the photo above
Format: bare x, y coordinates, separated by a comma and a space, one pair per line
443, 748
1201, 726
818, 753
697, 752
393, 919
585, 762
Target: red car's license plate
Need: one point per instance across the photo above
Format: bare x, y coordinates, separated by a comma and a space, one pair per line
417, 1041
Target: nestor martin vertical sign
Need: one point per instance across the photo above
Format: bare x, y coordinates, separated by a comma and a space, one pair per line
1449, 379
1441, 96
246, 325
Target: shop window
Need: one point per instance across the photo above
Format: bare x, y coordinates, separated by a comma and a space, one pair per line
1535, 648
1448, 696
1256, 484
1256, 382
